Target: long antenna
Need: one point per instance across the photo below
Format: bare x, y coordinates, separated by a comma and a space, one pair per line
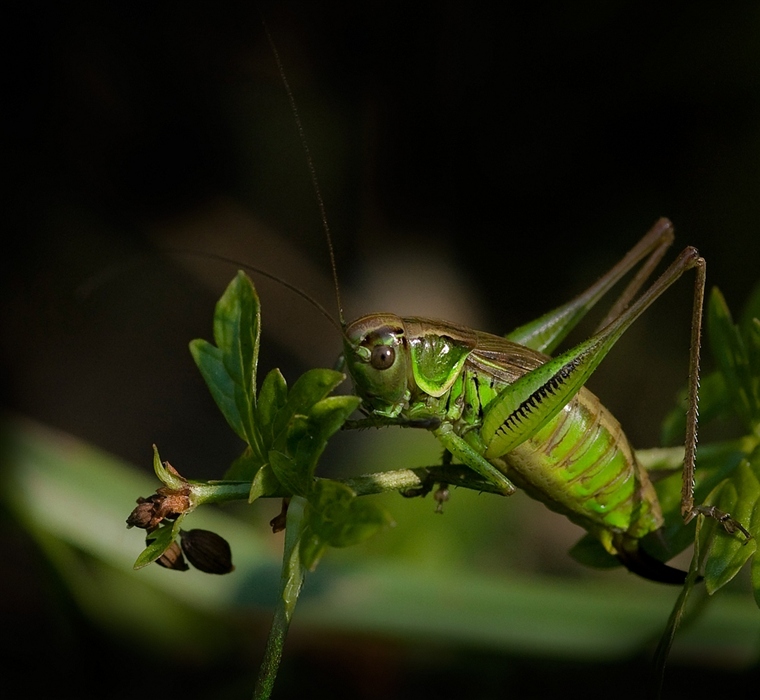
312, 170
260, 271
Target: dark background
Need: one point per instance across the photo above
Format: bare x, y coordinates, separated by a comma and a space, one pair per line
527, 149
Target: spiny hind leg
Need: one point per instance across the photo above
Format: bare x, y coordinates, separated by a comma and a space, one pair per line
688, 509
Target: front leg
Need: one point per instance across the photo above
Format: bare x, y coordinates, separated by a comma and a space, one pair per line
470, 457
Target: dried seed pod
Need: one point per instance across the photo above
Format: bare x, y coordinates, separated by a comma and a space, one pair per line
207, 551
144, 515
172, 558
165, 503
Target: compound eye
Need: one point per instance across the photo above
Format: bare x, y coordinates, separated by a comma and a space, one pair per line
383, 356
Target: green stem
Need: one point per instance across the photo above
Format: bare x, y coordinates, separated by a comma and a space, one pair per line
406, 479
365, 485
291, 582
674, 622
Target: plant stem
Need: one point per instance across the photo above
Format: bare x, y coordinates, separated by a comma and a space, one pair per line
291, 582
365, 485
674, 621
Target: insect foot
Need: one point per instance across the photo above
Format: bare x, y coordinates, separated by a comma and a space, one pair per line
441, 495
730, 524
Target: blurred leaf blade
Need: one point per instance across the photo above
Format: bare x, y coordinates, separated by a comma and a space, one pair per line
350, 592
731, 354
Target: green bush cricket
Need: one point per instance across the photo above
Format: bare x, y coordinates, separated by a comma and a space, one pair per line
507, 410
509, 413
502, 407
519, 418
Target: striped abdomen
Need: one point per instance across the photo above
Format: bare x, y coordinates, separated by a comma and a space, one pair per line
582, 465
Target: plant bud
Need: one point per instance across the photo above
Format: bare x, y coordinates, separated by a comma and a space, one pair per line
207, 551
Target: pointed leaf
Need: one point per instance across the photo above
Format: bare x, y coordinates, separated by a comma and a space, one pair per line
340, 519
273, 397
295, 480
237, 321
292, 571
310, 387
750, 311
159, 541
306, 438
312, 549
331, 413
222, 386
299, 443
732, 357
264, 484
715, 463
166, 474
230, 368
725, 554
752, 339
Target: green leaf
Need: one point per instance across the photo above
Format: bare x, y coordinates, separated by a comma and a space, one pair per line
295, 480
305, 440
265, 483
335, 517
311, 549
292, 571
331, 413
237, 321
307, 436
735, 388
725, 554
732, 357
715, 463
160, 540
751, 311
291, 582
230, 368
752, 338
245, 467
300, 442
714, 402
165, 473
310, 387
273, 397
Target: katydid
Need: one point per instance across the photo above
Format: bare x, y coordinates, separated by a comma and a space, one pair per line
519, 418
505, 408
